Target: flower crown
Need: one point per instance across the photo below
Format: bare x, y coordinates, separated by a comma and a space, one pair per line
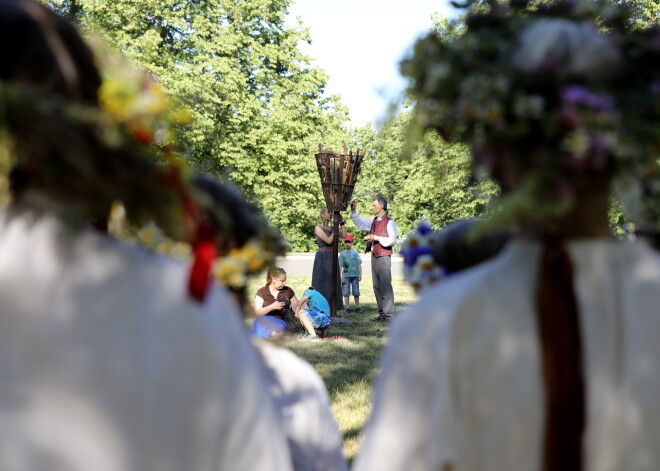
137, 100
419, 267
122, 150
568, 78
120, 158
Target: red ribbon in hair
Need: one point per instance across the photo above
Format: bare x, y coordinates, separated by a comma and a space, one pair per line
204, 251
561, 356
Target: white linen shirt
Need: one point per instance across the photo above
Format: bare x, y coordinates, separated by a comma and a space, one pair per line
364, 224
107, 365
302, 400
461, 387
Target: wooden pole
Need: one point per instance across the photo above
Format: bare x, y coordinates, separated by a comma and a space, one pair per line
335, 263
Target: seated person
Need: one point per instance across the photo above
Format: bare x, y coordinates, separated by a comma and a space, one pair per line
315, 307
275, 305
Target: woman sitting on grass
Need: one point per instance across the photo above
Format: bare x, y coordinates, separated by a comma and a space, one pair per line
276, 307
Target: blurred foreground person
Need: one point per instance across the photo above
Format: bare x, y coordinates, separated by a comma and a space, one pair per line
541, 358
302, 399
296, 389
107, 362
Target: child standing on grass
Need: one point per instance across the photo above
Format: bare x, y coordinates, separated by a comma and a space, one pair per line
351, 273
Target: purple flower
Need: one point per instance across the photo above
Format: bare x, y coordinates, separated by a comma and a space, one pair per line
599, 102
410, 255
577, 94
574, 94
424, 229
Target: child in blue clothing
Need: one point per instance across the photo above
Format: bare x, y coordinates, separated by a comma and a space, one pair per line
314, 305
351, 273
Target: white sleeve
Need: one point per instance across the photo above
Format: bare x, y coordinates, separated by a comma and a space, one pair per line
412, 425
314, 438
253, 438
364, 224
390, 240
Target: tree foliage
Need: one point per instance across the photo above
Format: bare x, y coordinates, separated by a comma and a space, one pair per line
437, 183
259, 106
260, 110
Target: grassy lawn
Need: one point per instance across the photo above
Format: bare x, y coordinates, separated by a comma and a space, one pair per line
349, 365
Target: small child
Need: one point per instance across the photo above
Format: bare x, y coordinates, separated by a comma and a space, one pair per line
351, 273
314, 305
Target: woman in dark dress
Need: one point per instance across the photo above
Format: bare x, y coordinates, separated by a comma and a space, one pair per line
322, 272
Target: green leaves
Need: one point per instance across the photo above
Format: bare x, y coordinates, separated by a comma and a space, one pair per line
258, 106
259, 112
436, 183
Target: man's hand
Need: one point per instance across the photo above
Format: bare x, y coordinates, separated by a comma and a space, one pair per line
369, 238
353, 206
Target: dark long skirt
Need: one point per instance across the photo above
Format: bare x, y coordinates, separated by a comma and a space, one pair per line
322, 277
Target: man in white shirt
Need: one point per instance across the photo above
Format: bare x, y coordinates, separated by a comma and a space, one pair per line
381, 239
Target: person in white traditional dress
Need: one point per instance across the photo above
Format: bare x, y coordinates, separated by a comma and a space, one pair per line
297, 390
106, 361
301, 397
542, 358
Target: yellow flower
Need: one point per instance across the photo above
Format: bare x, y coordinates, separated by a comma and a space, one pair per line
146, 234
230, 271
577, 143
425, 262
413, 241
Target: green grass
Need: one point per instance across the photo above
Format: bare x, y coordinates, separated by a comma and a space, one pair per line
349, 365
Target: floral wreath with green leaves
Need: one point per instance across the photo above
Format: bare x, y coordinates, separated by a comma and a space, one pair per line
122, 164
570, 78
121, 150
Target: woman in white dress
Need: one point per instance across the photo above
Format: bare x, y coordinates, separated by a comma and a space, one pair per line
542, 358
107, 362
297, 390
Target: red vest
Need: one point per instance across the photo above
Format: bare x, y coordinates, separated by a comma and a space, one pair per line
379, 228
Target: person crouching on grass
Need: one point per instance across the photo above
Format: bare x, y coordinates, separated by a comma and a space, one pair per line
315, 308
351, 273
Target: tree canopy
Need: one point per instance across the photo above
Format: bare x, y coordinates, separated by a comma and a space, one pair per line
436, 183
260, 109
259, 106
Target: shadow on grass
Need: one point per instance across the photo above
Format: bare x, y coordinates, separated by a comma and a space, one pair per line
351, 359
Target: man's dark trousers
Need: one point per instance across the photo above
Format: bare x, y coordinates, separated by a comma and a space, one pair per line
381, 271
